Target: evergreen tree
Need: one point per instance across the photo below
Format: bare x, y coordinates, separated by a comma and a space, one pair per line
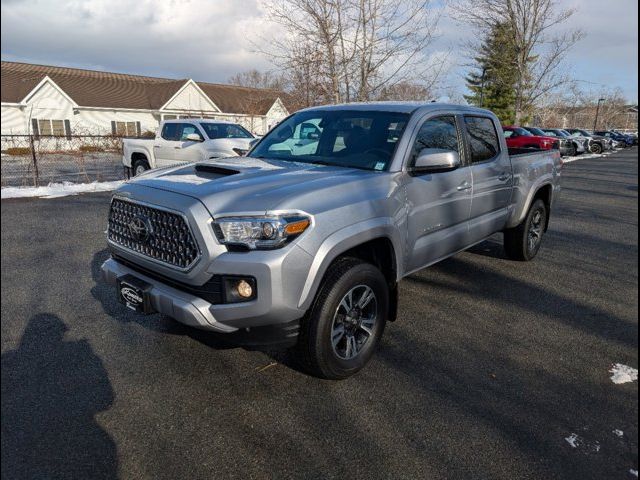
492, 85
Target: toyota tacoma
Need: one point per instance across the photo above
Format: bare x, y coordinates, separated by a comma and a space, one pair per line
302, 242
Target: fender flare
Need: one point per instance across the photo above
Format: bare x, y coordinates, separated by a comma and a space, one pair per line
129, 154
345, 239
519, 215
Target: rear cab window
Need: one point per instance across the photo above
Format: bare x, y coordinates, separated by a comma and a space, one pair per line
484, 144
170, 131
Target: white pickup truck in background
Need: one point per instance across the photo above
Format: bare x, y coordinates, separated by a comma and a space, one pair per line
186, 140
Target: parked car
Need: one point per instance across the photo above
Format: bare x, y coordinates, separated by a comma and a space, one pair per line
568, 145
519, 137
186, 140
623, 140
598, 143
306, 247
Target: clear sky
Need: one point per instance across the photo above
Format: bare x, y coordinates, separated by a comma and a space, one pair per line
210, 40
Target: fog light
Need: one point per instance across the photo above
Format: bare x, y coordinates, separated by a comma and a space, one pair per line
244, 289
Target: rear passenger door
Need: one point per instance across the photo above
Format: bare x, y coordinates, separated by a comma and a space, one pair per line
163, 148
438, 203
492, 177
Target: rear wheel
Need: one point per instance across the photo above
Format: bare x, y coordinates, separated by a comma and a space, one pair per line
596, 148
523, 242
340, 333
139, 167
573, 150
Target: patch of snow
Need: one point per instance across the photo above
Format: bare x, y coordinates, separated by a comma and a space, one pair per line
577, 441
574, 440
55, 190
618, 433
634, 472
623, 374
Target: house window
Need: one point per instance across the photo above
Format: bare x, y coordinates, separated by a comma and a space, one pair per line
48, 127
126, 129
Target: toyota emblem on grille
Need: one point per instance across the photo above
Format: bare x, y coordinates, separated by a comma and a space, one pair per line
140, 228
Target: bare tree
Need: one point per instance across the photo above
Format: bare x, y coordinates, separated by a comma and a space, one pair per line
575, 107
353, 49
257, 79
541, 48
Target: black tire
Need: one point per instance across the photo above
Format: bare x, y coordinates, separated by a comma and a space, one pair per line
315, 350
573, 150
519, 243
596, 148
139, 166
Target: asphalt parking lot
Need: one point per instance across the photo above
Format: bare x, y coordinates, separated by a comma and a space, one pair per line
491, 365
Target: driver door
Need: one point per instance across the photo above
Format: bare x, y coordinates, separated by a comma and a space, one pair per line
188, 150
438, 204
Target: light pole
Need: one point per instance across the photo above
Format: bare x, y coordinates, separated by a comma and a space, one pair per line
595, 122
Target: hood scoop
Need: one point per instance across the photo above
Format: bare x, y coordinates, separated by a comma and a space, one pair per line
221, 171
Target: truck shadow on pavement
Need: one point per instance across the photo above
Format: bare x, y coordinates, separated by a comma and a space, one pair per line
51, 391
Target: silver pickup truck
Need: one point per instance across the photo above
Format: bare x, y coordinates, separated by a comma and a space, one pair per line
302, 243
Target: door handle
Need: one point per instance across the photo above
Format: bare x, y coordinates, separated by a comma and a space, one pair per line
177, 148
464, 186
504, 177
156, 146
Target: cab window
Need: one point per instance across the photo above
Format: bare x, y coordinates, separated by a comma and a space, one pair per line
436, 133
186, 129
170, 131
483, 138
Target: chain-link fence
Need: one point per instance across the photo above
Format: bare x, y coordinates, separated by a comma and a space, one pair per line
29, 160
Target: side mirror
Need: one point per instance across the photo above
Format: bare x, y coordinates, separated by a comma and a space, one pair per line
193, 137
432, 160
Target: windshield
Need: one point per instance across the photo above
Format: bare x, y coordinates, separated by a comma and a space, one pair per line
358, 139
225, 130
536, 131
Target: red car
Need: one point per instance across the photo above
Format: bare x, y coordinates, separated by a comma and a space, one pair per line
520, 138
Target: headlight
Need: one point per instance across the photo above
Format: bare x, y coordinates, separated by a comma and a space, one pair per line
260, 233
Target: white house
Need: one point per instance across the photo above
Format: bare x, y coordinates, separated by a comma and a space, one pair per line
48, 100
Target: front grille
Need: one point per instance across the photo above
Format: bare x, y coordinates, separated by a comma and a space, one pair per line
157, 234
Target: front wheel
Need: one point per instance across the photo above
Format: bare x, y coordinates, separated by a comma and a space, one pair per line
340, 333
523, 242
596, 148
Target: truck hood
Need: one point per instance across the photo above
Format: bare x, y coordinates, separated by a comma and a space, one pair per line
246, 185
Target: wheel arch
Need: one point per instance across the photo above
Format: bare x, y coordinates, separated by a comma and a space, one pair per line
375, 241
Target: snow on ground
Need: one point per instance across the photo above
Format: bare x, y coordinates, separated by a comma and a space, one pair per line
55, 190
587, 156
634, 473
574, 440
577, 441
619, 433
623, 373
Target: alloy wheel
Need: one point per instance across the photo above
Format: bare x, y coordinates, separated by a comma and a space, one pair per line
354, 322
536, 228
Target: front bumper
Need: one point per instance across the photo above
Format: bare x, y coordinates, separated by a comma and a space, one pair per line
279, 278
